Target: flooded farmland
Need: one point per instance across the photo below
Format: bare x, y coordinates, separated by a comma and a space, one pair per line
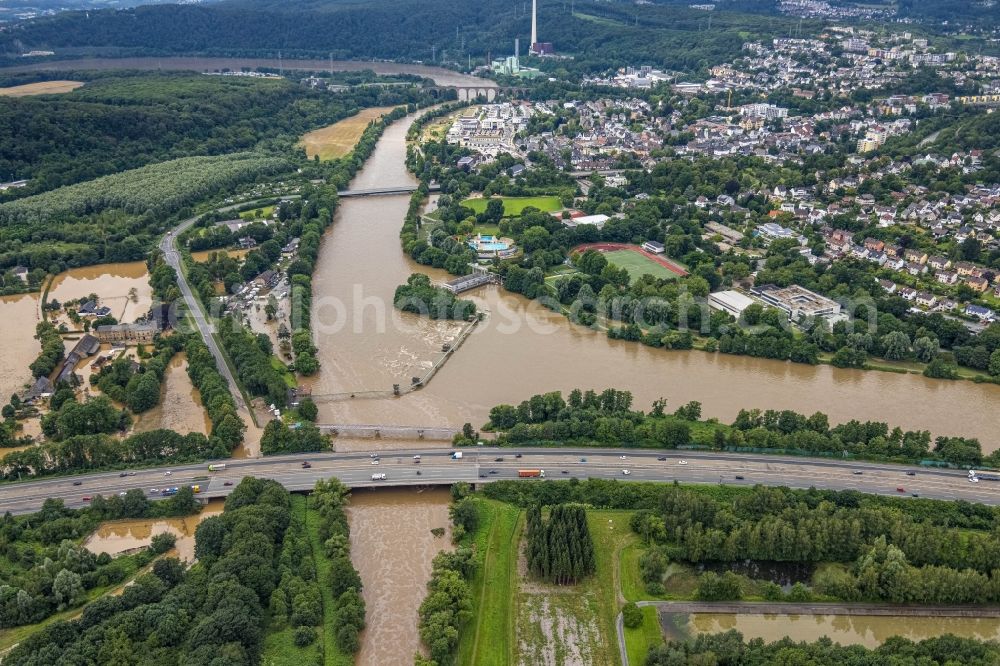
118, 536
180, 407
18, 317
868, 630
122, 287
392, 548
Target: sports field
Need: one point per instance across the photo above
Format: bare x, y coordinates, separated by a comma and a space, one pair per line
514, 205
40, 88
636, 261
638, 265
338, 139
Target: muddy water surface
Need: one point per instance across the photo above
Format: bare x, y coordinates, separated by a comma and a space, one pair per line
180, 407
523, 348
120, 535
18, 317
392, 547
113, 283
866, 630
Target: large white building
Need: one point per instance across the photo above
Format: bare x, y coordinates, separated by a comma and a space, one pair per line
730, 301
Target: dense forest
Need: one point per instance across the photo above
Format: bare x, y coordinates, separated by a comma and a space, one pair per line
599, 35
126, 120
212, 613
559, 549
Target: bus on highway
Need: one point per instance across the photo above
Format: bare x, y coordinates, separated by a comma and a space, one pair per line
531, 473
216, 467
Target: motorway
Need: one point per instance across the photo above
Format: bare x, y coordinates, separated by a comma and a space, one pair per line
478, 465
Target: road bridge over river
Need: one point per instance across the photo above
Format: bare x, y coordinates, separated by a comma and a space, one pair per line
385, 191
481, 465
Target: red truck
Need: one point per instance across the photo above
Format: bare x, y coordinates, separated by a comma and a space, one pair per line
531, 473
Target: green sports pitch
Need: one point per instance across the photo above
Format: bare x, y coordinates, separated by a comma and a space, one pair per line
514, 205
638, 265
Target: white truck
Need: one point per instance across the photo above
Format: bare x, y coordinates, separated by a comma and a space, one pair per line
378, 477
456, 455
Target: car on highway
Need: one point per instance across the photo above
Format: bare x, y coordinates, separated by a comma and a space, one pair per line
228, 483
86, 498
131, 473
900, 489
857, 472
973, 479
121, 494
483, 475
378, 477
154, 490
167, 473
78, 483
911, 474
498, 459
306, 464
662, 458
625, 472
682, 462
914, 495
493, 471
375, 461
517, 455
583, 460
739, 477
622, 457
416, 458
418, 472
565, 471
123, 474
373, 455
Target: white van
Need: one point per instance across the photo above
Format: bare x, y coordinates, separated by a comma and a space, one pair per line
378, 477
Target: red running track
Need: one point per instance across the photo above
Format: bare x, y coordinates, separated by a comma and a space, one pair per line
613, 247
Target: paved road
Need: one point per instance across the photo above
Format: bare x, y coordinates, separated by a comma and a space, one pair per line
478, 465
168, 245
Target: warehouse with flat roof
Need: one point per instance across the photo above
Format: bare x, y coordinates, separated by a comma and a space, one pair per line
797, 301
730, 301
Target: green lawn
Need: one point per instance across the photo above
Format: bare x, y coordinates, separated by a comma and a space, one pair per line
488, 639
611, 535
638, 265
639, 640
514, 205
289, 377
265, 212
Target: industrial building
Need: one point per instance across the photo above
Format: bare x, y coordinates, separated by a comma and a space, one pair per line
732, 302
797, 301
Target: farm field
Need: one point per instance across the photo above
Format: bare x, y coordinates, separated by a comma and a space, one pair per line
338, 139
514, 205
638, 264
40, 88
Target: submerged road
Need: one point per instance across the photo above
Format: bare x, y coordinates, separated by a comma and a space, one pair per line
480, 465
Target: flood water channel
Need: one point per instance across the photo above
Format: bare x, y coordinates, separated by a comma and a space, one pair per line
392, 547
868, 630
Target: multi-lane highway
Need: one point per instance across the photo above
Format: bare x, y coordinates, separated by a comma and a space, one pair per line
480, 465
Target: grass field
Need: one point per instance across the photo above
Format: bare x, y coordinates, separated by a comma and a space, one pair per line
338, 139
332, 656
514, 205
639, 640
638, 265
488, 640
40, 88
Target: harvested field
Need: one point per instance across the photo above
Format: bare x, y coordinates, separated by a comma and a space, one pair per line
338, 139
40, 88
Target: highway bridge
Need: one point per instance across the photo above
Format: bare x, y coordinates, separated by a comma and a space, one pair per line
384, 191
383, 430
481, 465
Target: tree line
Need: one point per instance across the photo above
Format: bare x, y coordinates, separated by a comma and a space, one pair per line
560, 549
605, 418
419, 296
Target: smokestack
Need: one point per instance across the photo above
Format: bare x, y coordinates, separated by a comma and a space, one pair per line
534, 22
517, 47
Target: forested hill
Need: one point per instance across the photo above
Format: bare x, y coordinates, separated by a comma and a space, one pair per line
599, 34
120, 122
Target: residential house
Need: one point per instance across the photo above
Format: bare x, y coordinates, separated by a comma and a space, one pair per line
939, 263
915, 256
926, 299
980, 312
977, 283
946, 277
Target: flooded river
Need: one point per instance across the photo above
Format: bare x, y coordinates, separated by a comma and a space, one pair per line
867, 630
522, 348
180, 408
121, 535
392, 547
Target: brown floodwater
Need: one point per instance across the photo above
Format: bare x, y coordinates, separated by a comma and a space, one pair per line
180, 407
18, 317
113, 283
522, 348
392, 547
118, 536
867, 630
